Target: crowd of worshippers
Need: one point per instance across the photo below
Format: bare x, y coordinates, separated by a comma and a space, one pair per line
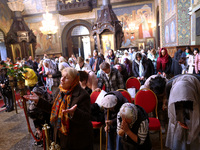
69, 112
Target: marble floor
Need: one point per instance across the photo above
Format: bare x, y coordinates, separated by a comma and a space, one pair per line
14, 133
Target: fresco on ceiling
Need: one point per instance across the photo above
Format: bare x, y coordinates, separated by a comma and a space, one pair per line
44, 43
33, 6
170, 8
5, 17
170, 32
136, 23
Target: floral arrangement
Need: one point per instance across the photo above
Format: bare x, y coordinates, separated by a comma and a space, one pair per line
16, 71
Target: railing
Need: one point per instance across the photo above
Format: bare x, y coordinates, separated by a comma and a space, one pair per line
75, 7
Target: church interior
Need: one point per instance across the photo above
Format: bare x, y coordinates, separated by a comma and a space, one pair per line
77, 27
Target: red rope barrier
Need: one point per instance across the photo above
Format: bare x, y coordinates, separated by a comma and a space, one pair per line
17, 98
37, 140
19, 104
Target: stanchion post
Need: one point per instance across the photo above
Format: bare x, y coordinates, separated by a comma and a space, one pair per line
45, 128
11, 83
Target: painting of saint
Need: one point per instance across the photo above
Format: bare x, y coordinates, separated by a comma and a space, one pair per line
141, 46
167, 34
135, 22
172, 31
144, 23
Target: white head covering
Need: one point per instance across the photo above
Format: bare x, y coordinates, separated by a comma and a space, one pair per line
52, 69
141, 68
62, 59
109, 101
186, 88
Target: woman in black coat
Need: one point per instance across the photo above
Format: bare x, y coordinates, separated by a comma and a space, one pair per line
70, 113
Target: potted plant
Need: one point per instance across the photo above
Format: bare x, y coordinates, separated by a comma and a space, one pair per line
17, 72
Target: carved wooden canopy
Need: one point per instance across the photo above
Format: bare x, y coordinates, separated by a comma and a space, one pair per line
20, 37
19, 32
107, 22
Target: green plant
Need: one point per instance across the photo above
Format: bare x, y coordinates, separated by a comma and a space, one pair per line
16, 71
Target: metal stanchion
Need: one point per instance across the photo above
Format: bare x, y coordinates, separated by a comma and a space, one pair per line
54, 146
46, 128
11, 84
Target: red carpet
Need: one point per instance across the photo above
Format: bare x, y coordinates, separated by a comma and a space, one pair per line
1, 104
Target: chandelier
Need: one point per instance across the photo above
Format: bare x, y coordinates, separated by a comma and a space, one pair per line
48, 24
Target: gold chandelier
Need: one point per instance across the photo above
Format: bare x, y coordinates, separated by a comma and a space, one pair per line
48, 24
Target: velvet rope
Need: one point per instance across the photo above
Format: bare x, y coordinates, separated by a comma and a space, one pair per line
19, 104
37, 140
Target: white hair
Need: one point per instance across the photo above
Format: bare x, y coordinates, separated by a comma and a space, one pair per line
129, 111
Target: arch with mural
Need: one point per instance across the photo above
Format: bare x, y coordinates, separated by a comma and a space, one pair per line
67, 49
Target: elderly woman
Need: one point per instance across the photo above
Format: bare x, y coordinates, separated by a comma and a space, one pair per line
51, 72
132, 126
62, 63
70, 113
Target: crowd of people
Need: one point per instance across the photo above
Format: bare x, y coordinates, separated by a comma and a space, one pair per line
69, 112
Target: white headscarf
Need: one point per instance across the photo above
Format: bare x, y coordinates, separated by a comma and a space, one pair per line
141, 68
52, 69
186, 88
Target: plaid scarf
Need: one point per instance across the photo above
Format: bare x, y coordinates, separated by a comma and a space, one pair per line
63, 103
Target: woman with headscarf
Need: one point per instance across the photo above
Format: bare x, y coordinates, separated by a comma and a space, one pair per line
183, 112
133, 127
70, 113
138, 68
62, 63
164, 62
111, 58
51, 72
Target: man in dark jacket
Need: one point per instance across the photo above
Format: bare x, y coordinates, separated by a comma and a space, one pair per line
5, 88
111, 78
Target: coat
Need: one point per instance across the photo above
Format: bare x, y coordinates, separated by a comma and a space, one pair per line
80, 127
